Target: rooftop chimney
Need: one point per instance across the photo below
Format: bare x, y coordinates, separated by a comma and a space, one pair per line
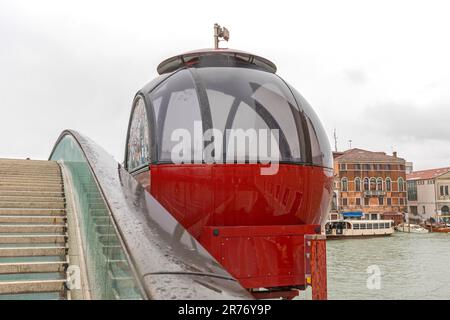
394, 154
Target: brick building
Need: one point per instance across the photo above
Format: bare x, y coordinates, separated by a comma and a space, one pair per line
372, 183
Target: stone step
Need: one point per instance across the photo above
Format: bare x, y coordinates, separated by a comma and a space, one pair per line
33, 239
30, 199
19, 168
32, 267
28, 180
32, 228
36, 161
32, 219
32, 211
32, 251
28, 165
19, 184
33, 205
29, 188
31, 286
29, 176
31, 193
21, 172
28, 169
37, 169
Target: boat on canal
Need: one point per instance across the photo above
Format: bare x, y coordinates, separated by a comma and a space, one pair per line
410, 228
335, 229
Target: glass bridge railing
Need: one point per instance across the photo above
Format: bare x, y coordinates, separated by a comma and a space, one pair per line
133, 247
108, 271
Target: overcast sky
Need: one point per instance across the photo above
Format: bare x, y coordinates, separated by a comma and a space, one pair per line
378, 71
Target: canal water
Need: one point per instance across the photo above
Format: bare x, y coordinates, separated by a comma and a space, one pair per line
402, 266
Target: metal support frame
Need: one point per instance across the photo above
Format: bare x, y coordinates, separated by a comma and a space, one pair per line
316, 265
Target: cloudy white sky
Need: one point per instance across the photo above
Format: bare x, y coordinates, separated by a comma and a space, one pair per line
377, 71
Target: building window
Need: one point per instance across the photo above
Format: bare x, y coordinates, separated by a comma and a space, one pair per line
411, 187
445, 210
344, 184
446, 190
389, 201
357, 166
366, 166
357, 184
413, 210
373, 184
358, 201
401, 186
388, 184
443, 190
366, 201
343, 167
334, 202
366, 184
379, 184
401, 201
380, 201
344, 201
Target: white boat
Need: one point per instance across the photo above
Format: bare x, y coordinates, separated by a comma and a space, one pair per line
358, 228
412, 228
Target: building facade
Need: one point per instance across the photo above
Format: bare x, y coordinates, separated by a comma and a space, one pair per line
372, 183
428, 195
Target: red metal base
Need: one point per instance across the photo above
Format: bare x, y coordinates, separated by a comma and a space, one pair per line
261, 256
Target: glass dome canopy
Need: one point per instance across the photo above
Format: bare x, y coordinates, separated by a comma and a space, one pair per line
226, 92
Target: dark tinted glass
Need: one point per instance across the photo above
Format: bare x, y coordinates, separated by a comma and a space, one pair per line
177, 108
242, 98
320, 145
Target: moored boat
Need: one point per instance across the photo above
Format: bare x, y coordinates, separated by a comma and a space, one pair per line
410, 228
335, 229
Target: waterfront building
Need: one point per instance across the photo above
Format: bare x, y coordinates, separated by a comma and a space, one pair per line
428, 194
370, 184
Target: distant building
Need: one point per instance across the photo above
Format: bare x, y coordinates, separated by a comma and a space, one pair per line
409, 167
428, 194
371, 183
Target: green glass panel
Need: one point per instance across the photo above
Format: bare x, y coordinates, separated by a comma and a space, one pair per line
109, 272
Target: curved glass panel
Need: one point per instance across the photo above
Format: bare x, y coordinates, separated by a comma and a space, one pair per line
320, 145
108, 271
138, 145
178, 119
248, 99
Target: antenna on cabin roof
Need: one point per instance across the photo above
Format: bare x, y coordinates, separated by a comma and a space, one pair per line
220, 32
335, 140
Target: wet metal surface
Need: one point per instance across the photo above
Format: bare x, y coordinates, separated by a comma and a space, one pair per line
169, 262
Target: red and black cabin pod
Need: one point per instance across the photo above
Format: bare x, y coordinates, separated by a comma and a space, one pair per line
253, 224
